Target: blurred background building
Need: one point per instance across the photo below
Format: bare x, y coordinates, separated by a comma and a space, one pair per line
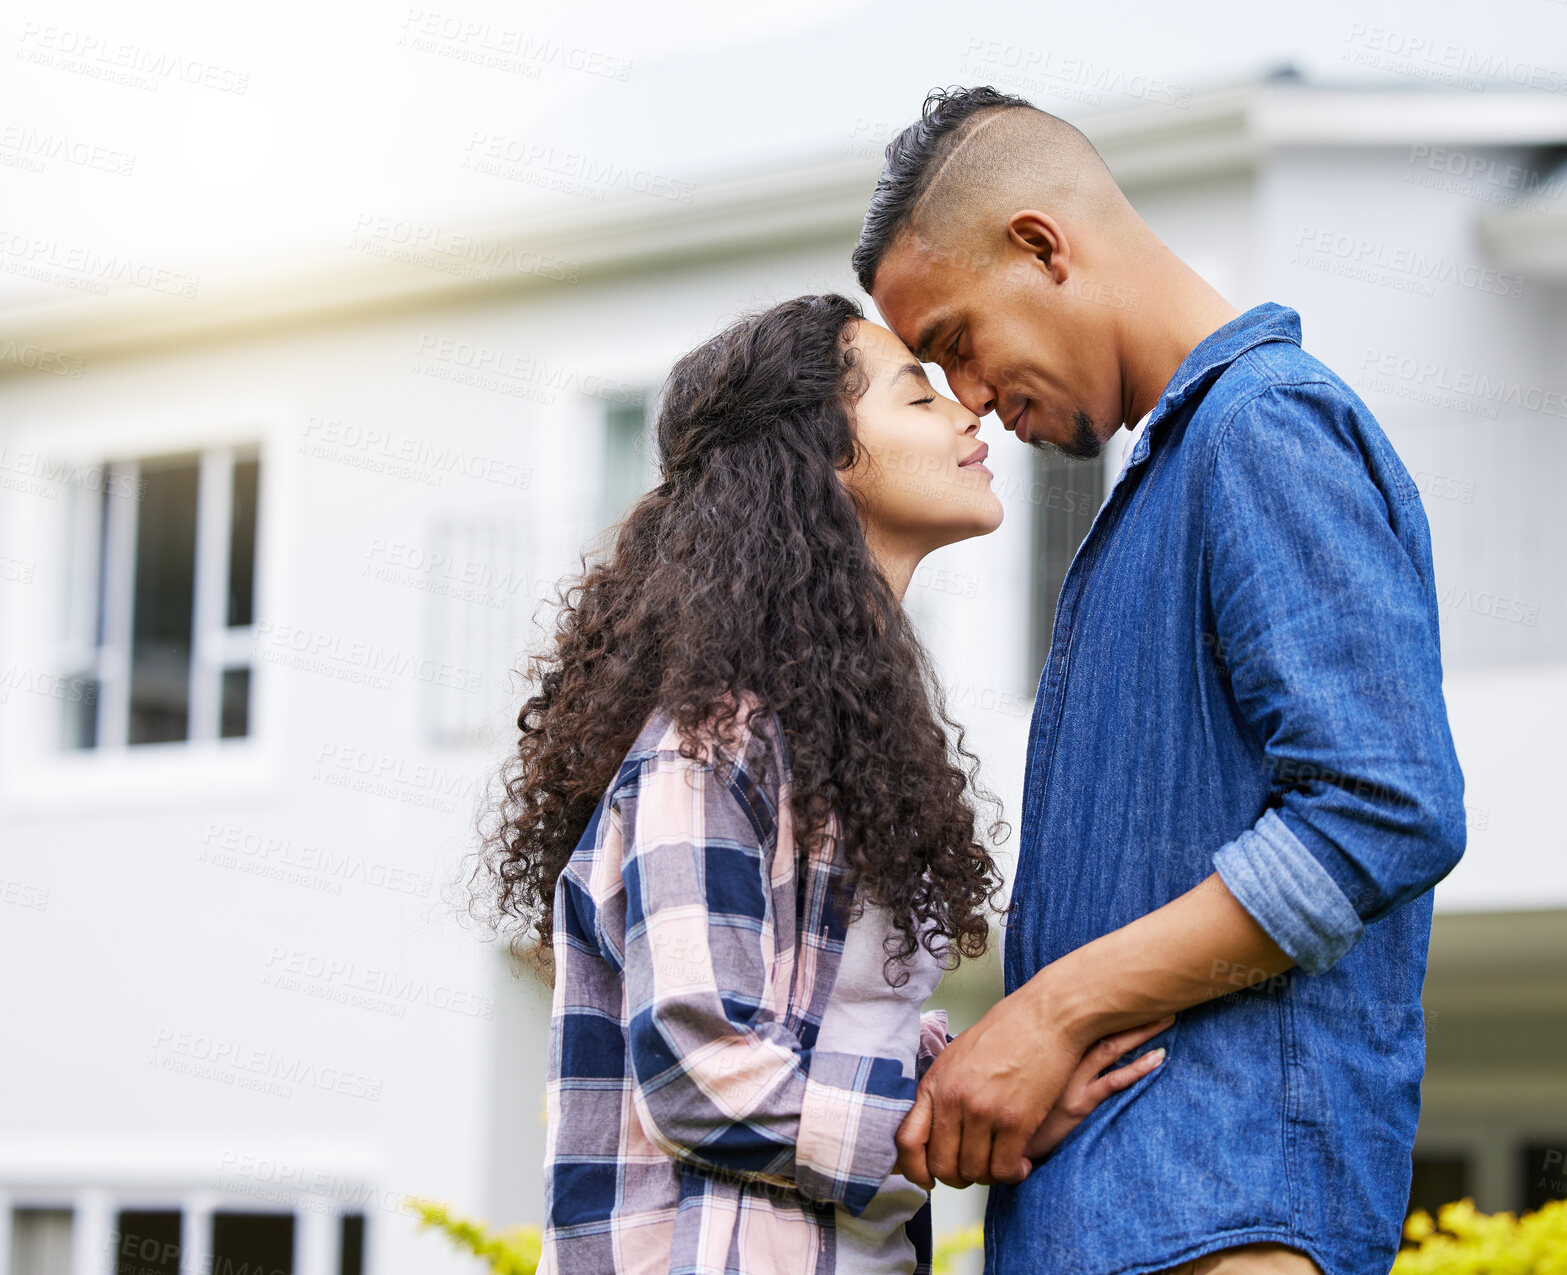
272, 540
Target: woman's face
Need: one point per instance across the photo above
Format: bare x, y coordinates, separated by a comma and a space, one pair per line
920, 476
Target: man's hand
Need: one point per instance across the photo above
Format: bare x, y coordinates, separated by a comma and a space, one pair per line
982, 1102
990, 1097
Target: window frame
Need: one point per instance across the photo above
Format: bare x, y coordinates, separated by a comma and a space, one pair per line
37, 771
94, 1209
101, 588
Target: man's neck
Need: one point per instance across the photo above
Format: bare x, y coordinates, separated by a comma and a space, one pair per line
1185, 311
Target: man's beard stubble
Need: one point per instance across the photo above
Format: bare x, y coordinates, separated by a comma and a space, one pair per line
1084, 444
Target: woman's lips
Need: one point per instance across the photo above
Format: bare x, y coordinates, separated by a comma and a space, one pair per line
976, 461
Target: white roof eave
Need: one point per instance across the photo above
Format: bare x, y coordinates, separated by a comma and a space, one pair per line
1217, 132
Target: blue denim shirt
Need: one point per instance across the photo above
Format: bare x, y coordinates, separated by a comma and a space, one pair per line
1244, 677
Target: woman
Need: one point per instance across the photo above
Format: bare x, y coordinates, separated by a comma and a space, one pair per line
737, 815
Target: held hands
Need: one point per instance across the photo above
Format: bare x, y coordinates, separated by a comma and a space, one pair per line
1087, 1088
1005, 1093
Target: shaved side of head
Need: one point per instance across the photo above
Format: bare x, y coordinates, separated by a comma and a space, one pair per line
954, 177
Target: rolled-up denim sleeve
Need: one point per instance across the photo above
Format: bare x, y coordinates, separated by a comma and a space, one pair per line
1323, 619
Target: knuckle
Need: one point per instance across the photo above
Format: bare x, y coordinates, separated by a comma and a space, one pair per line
1009, 1117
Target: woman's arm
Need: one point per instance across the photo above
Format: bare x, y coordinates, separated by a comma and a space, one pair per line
719, 1081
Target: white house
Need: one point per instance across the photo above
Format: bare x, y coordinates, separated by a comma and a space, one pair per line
271, 541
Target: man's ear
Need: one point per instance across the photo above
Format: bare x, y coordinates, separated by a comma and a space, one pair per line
1041, 236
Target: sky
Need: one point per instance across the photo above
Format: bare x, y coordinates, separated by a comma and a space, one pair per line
197, 137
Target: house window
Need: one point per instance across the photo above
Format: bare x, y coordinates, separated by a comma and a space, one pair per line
1544, 1172
252, 1244
1065, 495
147, 1242
41, 1242
162, 603
628, 467
351, 1245
155, 1242
1437, 1180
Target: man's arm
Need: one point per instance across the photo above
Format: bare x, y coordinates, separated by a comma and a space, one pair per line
992, 1079
1325, 627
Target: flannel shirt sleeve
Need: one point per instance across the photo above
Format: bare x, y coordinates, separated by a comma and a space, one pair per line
719, 1082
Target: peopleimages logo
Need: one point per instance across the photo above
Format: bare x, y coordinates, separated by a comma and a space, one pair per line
367, 987
570, 172
87, 269
1442, 384
504, 48
263, 1070
327, 438
301, 863
1407, 269
343, 659
1424, 57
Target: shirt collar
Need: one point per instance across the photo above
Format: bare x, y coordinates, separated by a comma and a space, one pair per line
1215, 352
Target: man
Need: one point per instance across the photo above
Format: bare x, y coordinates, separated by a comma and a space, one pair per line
1241, 786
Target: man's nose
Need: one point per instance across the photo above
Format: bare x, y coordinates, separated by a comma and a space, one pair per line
974, 393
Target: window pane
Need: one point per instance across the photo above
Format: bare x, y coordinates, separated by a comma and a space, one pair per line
625, 463
242, 544
84, 598
1438, 1180
41, 1242
148, 1243
252, 1244
1545, 1172
161, 616
351, 1260
1067, 494
236, 703
99, 557
81, 712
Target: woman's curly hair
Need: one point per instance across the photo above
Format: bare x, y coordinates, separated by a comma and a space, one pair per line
745, 576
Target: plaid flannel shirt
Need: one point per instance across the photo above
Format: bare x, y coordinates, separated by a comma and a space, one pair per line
692, 1127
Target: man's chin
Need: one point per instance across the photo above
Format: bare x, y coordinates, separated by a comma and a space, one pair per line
1083, 444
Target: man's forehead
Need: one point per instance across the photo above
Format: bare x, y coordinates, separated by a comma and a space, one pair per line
914, 288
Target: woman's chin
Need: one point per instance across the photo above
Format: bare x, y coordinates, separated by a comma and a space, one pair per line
988, 517
980, 522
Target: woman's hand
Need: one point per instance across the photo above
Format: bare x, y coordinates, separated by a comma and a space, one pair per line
1088, 1088
933, 1038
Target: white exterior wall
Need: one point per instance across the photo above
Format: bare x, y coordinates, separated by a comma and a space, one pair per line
1488, 459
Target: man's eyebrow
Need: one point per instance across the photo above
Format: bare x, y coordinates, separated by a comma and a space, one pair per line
928, 336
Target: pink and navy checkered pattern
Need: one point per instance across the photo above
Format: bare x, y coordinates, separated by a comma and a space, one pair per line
693, 1129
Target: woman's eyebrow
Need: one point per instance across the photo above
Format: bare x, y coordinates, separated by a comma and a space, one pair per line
909, 369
